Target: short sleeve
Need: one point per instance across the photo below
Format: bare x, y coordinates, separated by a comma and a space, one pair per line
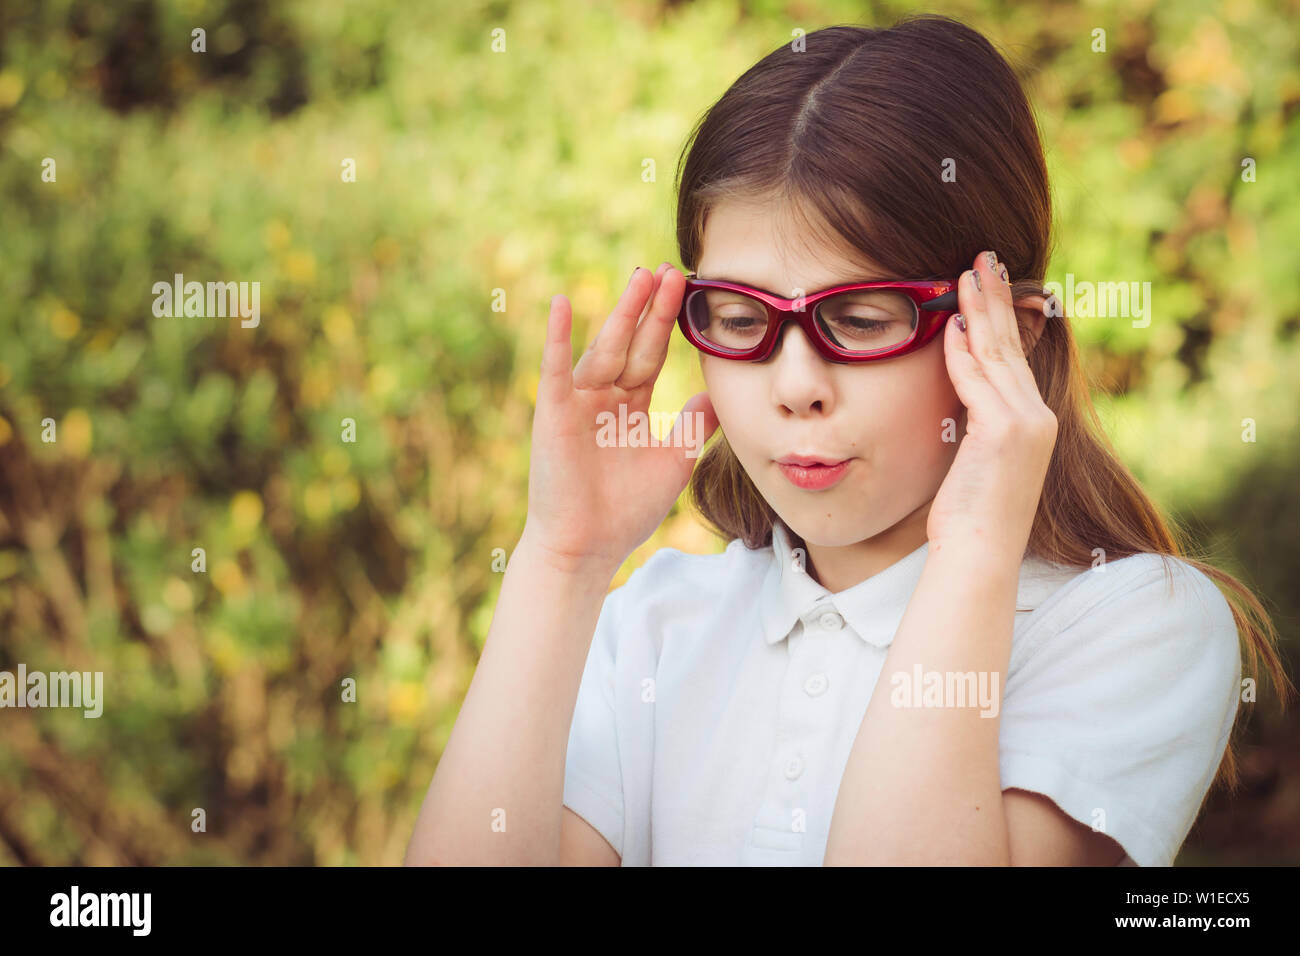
1121, 711
593, 778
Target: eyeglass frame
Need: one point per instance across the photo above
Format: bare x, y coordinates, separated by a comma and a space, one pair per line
932, 299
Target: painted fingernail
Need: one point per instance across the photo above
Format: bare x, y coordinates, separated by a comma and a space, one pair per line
992, 258
960, 320
975, 274
1002, 271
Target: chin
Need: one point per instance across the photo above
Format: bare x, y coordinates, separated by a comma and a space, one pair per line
828, 526
844, 516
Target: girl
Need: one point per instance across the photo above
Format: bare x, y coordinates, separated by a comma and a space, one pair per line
949, 626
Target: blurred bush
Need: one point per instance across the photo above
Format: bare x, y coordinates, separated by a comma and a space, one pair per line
413, 302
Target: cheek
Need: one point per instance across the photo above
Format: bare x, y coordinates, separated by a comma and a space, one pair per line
922, 434
941, 398
727, 392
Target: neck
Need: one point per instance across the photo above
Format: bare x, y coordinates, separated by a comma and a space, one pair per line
840, 568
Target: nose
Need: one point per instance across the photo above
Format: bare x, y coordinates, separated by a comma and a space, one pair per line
801, 380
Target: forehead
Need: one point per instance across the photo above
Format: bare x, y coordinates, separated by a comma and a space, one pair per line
758, 244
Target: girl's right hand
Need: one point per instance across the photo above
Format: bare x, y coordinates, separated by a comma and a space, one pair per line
590, 505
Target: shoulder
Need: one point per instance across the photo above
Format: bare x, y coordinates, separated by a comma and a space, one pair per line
683, 576
1152, 610
1151, 587
676, 591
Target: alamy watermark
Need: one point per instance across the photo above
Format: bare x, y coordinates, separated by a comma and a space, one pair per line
1086, 299
946, 689
55, 689
217, 300
75, 908
634, 430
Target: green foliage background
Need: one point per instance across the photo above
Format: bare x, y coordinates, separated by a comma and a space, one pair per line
486, 179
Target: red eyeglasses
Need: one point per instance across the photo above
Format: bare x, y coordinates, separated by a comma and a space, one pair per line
858, 322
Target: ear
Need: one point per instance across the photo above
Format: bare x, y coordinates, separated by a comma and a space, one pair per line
1031, 315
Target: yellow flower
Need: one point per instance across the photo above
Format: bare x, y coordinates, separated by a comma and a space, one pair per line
347, 493
315, 387
177, 595
245, 511
64, 323
316, 500
405, 701
276, 234
11, 89
334, 461
224, 651
229, 579
338, 325
76, 433
382, 381
300, 265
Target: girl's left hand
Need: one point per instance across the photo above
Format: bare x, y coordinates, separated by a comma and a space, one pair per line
990, 495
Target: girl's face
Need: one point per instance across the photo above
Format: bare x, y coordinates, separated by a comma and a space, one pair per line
888, 417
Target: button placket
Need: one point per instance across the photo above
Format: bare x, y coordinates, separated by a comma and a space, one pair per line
816, 622
815, 685
799, 721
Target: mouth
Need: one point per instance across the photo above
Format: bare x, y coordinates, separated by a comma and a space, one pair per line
813, 473
806, 460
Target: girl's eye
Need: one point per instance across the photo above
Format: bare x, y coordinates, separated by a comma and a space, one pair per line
854, 332
864, 324
726, 319
737, 323
868, 320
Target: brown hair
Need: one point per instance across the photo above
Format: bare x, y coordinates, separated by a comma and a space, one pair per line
850, 138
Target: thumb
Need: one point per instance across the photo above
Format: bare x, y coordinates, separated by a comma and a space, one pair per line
695, 424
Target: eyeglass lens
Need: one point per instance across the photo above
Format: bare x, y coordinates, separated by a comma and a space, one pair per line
864, 320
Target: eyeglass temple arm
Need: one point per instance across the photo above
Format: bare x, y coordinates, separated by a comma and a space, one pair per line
944, 303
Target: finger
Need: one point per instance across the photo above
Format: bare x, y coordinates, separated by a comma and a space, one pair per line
968, 379
997, 295
649, 347
1008, 371
603, 362
654, 290
556, 378
1002, 312
1022, 333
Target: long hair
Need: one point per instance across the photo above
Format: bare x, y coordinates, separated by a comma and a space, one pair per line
916, 144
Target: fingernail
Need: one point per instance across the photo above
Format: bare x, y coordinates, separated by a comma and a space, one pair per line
992, 258
960, 320
975, 274
1002, 270
633, 275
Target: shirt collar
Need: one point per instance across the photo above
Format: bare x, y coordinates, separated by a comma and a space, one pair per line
873, 608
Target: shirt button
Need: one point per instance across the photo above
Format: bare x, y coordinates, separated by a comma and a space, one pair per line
815, 685
793, 767
831, 621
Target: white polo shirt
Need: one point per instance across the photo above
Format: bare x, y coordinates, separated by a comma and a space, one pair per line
722, 695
